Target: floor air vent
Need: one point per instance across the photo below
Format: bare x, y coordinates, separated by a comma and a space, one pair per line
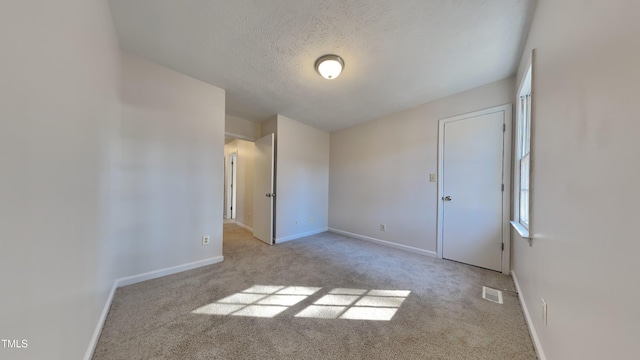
492, 294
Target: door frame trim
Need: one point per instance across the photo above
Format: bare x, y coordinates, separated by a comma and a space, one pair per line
506, 178
230, 184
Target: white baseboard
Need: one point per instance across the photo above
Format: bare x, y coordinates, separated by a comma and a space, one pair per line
386, 243
129, 280
244, 226
301, 235
103, 317
532, 330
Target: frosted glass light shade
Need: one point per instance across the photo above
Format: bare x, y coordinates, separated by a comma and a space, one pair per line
329, 66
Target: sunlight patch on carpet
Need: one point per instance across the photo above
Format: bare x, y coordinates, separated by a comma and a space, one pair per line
260, 311
373, 305
369, 313
264, 301
337, 300
268, 301
322, 312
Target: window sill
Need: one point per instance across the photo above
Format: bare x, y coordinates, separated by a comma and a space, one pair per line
522, 231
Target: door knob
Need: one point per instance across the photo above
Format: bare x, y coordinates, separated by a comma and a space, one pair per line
446, 198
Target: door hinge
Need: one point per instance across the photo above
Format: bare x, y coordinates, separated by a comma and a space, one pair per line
504, 127
502, 187
502, 246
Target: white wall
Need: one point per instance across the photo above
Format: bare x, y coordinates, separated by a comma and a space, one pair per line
302, 184
168, 181
244, 215
58, 104
583, 261
380, 170
301, 177
238, 127
244, 175
269, 126
110, 167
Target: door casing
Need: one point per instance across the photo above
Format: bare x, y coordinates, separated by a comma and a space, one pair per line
231, 185
506, 179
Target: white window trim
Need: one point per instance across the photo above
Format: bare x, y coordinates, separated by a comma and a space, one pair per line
526, 82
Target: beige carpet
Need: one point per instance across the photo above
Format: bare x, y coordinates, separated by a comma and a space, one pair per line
330, 297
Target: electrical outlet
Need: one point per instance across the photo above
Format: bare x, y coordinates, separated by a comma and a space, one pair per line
206, 240
383, 227
310, 220
296, 221
544, 312
432, 178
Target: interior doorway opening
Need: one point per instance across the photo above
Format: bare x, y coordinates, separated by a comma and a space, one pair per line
231, 180
249, 198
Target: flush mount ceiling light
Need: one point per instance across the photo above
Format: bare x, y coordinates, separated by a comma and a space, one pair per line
329, 66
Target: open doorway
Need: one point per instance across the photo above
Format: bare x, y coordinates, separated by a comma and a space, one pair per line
238, 182
249, 193
231, 178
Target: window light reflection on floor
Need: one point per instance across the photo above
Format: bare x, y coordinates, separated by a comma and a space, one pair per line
337, 300
268, 301
259, 301
357, 304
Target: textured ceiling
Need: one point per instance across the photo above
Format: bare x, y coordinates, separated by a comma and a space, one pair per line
397, 54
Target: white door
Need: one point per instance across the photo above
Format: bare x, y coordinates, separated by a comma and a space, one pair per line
472, 189
263, 194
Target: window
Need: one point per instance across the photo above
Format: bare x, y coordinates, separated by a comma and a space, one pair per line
523, 156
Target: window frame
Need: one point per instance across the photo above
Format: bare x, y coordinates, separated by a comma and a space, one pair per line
523, 159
